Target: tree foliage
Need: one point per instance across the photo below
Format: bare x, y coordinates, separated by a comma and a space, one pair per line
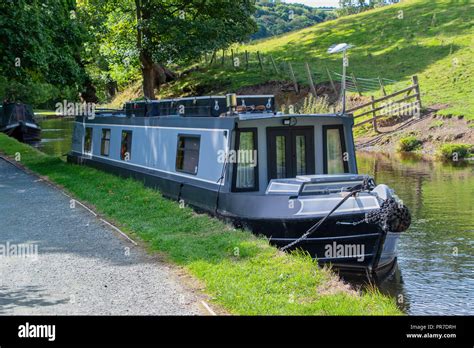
182, 30
110, 53
275, 18
348, 7
41, 44
133, 35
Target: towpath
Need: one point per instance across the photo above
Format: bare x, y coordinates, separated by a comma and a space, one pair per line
59, 260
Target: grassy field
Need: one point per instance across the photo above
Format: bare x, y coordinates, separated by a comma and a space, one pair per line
431, 39
241, 272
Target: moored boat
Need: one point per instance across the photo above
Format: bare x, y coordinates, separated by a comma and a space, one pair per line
290, 177
17, 120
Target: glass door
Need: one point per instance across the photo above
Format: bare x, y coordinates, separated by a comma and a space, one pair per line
290, 152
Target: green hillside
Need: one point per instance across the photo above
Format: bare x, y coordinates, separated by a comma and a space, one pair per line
274, 18
431, 39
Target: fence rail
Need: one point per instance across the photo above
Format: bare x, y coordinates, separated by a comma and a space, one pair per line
396, 107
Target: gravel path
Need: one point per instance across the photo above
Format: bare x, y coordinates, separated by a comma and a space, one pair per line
75, 264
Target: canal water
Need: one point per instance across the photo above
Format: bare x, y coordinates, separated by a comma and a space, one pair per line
436, 261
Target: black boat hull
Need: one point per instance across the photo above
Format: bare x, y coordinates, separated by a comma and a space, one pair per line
350, 249
372, 251
23, 132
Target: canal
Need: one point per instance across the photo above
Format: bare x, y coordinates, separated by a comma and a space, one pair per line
436, 263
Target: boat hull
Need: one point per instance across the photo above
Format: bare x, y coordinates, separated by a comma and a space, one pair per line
24, 132
363, 249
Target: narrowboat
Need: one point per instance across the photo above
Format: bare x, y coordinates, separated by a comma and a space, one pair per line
17, 120
290, 177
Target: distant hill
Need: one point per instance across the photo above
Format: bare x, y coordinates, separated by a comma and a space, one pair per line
275, 18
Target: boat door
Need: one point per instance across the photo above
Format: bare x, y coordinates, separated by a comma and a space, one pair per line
290, 152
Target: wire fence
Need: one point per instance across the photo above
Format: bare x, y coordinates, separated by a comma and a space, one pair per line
313, 74
308, 73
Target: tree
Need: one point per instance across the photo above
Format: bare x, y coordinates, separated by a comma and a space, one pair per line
153, 35
274, 18
182, 30
348, 7
40, 45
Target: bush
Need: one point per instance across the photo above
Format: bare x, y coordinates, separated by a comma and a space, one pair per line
436, 124
453, 152
410, 143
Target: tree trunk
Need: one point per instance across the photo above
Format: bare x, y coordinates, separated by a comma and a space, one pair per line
153, 74
111, 89
88, 93
149, 75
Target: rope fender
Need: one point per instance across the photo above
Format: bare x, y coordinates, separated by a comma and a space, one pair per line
392, 216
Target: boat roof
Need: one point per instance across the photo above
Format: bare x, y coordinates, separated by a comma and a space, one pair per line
248, 107
258, 116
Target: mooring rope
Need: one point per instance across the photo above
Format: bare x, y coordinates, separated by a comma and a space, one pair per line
392, 216
358, 188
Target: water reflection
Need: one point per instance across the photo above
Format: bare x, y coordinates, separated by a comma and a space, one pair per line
56, 136
436, 253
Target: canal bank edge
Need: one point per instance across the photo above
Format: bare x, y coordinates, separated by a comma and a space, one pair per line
241, 272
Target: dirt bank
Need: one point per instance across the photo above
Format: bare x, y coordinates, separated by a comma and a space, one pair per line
432, 130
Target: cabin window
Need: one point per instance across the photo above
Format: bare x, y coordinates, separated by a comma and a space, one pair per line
105, 142
335, 160
245, 165
126, 146
187, 155
88, 140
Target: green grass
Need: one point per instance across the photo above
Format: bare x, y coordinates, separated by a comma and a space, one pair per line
241, 272
436, 124
434, 40
408, 144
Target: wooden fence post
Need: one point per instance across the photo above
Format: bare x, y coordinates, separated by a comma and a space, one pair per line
356, 85
260, 60
331, 81
232, 57
246, 60
274, 65
414, 79
310, 79
223, 57
292, 75
374, 114
382, 87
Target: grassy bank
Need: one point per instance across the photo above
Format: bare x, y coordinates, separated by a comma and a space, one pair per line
241, 272
431, 39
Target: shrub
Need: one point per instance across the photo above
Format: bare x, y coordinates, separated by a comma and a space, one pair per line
436, 124
410, 143
453, 152
315, 105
